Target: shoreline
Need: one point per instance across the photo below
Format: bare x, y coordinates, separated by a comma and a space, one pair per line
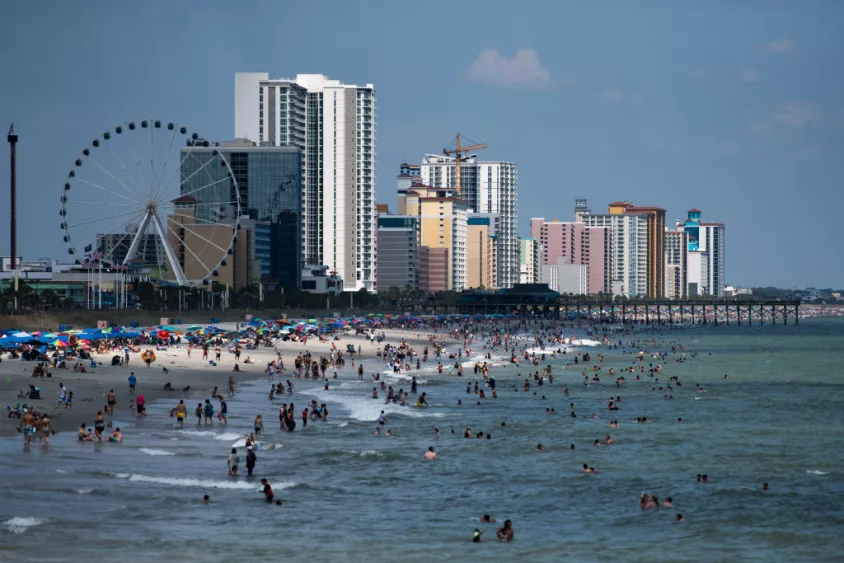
90, 389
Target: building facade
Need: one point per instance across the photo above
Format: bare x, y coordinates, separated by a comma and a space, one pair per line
398, 254
629, 251
487, 187
698, 272
579, 243
434, 264
566, 278
442, 223
655, 251
269, 184
480, 251
530, 261
333, 125
676, 264
197, 244
708, 238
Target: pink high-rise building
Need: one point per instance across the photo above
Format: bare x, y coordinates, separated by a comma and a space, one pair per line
579, 244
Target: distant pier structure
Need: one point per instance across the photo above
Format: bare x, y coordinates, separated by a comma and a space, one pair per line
537, 299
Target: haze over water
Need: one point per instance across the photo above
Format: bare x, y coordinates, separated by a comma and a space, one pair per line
355, 496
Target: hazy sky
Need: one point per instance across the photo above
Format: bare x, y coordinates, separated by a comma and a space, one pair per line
734, 107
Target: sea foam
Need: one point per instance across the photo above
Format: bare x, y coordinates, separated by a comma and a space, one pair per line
19, 524
185, 482
153, 451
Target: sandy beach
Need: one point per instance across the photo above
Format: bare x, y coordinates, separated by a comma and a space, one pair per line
90, 389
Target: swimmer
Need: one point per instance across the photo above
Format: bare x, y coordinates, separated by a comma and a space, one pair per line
476, 536
765, 487
667, 503
609, 440
485, 519
267, 491
206, 499
116, 436
539, 449
505, 533
431, 454
679, 518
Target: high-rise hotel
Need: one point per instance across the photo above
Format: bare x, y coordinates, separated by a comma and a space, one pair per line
488, 187
333, 125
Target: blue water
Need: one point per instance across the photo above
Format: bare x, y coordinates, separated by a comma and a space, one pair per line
351, 495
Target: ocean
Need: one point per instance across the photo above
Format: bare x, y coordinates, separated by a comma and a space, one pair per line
351, 495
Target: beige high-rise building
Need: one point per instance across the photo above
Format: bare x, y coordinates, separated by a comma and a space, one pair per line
441, 220
655, 251
480, 259
198, 246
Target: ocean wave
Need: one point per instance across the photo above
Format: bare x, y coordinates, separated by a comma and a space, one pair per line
84, 491
184, 482
816, 472
262, 446
153, 451
215, 435
366, 409
19, 524
343, 424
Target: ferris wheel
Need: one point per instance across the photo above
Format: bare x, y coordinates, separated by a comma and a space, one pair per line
154, 197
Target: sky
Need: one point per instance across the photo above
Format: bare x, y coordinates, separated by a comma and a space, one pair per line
732, 107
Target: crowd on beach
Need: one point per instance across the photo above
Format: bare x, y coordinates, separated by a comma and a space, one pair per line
526, 345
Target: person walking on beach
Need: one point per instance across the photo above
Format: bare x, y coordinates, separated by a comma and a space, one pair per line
62, 395
251, 458
132, 382
28, 426
110, 402
259, 424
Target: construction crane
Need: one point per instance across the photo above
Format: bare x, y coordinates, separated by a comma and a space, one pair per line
458, 151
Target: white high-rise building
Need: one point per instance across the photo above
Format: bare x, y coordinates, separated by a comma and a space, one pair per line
676, 264
487, 187
708, 239
333, 124
629, 263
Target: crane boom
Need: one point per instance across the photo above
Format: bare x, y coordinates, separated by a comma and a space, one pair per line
458, 151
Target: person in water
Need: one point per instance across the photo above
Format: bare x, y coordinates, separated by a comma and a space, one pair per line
505, 533
431, 454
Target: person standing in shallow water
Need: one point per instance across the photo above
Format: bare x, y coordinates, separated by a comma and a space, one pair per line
251, 459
